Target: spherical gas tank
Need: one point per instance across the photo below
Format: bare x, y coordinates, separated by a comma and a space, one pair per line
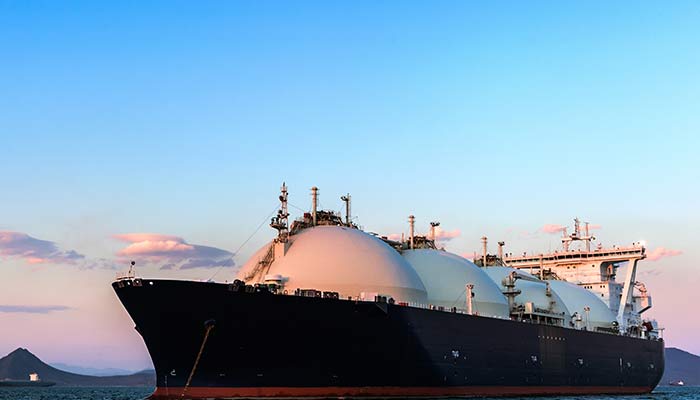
445, 276
340, 259
577, 299
531, 292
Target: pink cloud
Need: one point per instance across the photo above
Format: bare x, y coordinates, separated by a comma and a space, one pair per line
35, 251
143, 237
152, 245
552, 228
172, 251
662, 252
444, 236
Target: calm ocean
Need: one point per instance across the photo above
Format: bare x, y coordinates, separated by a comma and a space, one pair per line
120, 393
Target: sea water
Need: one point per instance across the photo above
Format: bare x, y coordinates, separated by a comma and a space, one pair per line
122, 393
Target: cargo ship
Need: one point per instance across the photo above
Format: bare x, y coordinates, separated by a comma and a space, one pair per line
327, 310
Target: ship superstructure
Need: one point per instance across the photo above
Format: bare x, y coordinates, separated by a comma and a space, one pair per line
327, 310
594, 269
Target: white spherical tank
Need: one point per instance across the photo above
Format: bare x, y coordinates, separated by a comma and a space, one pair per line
577, 299
445, 276
344, 260
531, 292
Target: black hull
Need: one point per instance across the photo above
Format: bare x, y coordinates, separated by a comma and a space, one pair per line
265, 345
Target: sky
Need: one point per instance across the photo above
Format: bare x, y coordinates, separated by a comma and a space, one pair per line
162, 131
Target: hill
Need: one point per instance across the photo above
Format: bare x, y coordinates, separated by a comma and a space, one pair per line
20, 363
681, 365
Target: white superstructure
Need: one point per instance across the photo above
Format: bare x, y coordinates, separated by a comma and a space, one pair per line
596, 270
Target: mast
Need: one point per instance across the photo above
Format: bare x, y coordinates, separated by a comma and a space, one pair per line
280, 222
314, 204
433, 225
347, 200
500, 252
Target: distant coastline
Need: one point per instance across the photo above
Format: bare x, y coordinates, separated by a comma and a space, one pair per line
17, 366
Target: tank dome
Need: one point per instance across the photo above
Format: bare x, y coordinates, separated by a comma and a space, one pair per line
344, 260
577, 298
531, 292
445, 276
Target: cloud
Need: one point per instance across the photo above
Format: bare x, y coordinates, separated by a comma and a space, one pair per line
556, 228
662, 252
552, 228
103, 263
442, 235
31, 309
172, 252
35, 251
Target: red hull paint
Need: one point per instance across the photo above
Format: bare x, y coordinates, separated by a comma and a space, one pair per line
390, 391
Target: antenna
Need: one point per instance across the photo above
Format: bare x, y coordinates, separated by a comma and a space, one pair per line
347, 198
567, 239
588, 238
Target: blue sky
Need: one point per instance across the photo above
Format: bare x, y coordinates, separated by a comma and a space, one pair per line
183, 118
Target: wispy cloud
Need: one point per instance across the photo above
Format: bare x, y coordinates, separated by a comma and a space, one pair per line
31, 309
662, 252
35, 251
172, 251
556, 228
552, 228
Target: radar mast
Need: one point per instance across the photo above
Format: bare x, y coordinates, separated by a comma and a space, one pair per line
280, 221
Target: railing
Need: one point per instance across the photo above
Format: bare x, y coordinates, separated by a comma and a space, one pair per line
120, 276
578, 255
266, 261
